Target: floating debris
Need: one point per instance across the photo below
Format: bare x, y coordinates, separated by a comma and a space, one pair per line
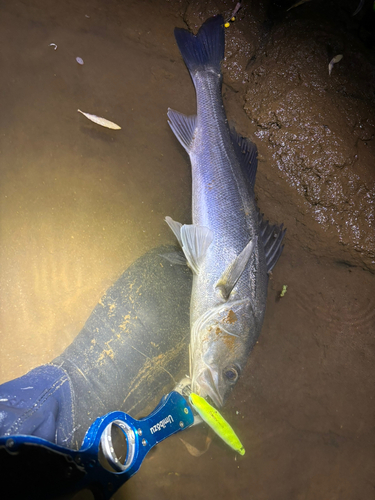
233, 16
297, 4
194, 451
334, 60
53, 45
80, 60
283, 291
100, 121
217, 422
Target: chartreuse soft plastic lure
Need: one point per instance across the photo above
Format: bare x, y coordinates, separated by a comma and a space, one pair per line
213, 418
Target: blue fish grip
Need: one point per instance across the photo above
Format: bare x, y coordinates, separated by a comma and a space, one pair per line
39, 469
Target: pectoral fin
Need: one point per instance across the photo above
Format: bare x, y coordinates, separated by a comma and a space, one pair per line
231, 275
194, 241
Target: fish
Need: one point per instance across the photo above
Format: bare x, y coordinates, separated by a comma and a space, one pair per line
228, 246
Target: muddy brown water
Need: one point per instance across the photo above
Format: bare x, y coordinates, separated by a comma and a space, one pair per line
80, 203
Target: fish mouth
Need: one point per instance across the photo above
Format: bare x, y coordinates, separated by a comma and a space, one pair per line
207, 384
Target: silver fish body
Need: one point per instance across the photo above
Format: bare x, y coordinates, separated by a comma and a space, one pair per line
225, 246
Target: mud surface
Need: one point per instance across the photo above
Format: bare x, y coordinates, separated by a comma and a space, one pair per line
80, 203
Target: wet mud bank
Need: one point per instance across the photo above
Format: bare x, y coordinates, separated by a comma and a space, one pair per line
314, 129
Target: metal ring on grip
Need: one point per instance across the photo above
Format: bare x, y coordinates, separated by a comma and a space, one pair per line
108, 448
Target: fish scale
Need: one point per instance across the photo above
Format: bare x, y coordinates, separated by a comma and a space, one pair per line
215, 164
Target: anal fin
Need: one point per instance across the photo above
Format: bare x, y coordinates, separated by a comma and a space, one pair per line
176, 258
176, 228
194, 241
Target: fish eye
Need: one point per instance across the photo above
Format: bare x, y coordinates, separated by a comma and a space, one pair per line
231, 374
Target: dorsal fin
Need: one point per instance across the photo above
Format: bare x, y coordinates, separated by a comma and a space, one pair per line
272, 237
246, 152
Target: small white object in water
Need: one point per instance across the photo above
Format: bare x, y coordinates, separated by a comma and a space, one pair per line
100, 121
53, 45
334, 60
79, 60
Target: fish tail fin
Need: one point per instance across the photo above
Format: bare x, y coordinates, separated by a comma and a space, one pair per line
204, 50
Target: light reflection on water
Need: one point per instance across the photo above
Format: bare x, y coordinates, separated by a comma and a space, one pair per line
79, 203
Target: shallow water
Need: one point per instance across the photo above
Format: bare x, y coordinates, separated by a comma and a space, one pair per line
79, 203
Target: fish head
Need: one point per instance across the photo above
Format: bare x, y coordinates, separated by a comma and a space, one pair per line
222, 350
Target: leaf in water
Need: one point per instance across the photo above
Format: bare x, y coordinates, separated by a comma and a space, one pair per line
334, 60
100, 121
194, 451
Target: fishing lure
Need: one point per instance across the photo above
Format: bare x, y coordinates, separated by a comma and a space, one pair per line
217, 422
